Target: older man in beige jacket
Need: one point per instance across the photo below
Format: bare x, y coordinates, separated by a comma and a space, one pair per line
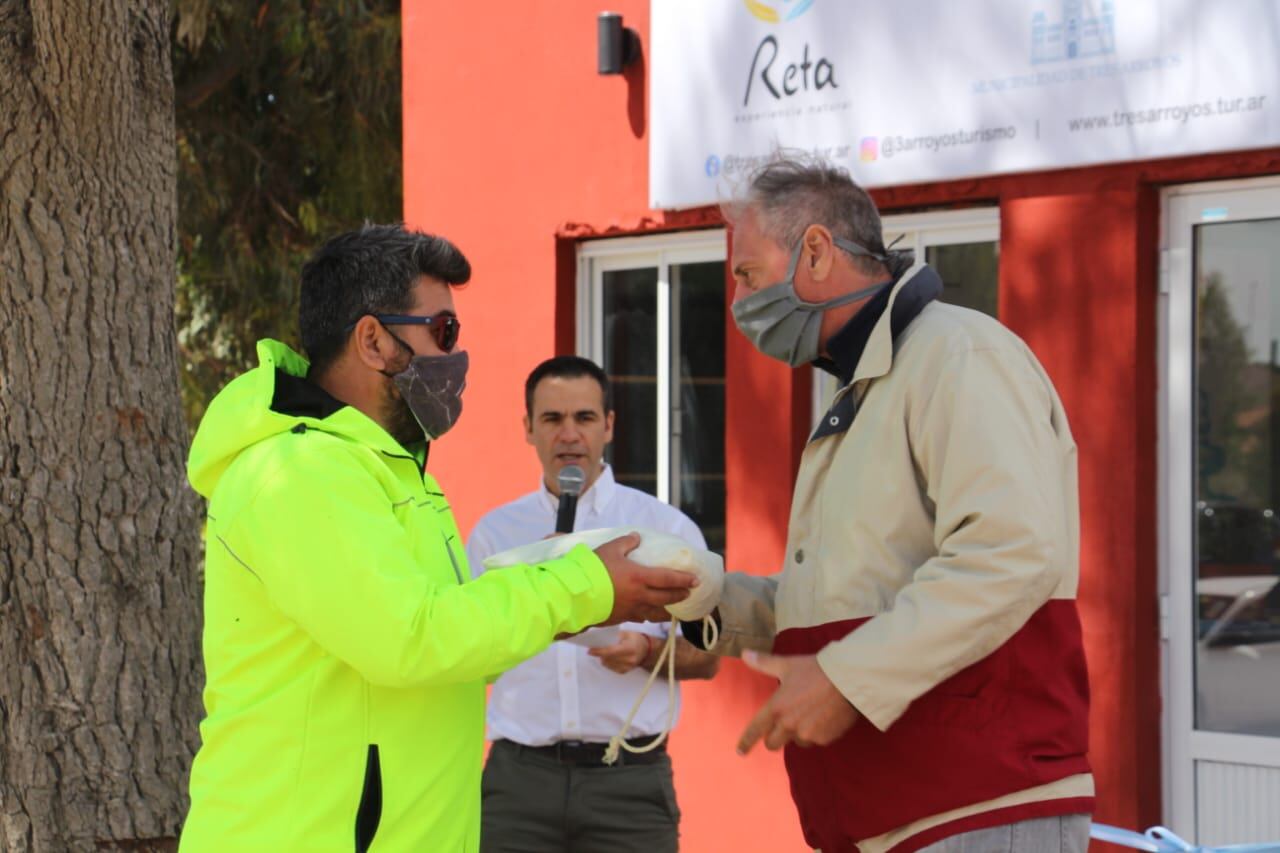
933, 692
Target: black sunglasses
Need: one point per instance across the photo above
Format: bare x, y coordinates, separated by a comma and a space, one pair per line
444, 327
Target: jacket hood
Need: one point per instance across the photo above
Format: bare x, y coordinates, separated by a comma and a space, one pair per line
270, 399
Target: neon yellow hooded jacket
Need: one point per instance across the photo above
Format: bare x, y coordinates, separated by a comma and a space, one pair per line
346, 648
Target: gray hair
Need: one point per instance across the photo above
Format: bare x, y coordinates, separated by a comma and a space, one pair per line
792, 191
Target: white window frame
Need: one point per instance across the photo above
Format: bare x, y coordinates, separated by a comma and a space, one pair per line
663, 251
1182, 745
917, 232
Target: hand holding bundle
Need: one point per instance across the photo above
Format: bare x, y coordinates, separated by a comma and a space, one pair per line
656, 550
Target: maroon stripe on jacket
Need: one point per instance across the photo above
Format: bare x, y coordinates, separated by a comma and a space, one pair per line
1014, 720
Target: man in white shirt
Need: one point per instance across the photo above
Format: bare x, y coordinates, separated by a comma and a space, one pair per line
546, 787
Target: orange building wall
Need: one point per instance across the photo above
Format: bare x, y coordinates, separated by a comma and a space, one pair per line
515, 148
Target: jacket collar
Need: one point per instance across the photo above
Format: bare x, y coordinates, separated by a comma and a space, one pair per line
294, 395
863, 347
850, 340
271, 399
297, 395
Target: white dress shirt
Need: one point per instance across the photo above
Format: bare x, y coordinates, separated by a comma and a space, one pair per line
564, 693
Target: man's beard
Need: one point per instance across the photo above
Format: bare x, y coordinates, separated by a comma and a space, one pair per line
401, 424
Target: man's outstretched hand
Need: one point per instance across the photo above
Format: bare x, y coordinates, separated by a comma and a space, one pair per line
629, 652
640, 594
806, 709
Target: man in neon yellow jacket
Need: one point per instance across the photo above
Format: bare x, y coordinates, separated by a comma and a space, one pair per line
346, 649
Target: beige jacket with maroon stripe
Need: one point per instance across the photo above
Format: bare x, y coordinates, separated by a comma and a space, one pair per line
932, 564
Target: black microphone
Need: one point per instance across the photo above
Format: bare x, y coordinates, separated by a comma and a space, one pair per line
571, 480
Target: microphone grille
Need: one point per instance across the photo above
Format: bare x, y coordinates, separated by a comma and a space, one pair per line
571, 480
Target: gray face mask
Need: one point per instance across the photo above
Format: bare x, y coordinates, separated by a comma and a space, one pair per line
432, 388
784, 327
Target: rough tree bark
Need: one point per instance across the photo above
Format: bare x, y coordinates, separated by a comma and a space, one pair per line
99, 609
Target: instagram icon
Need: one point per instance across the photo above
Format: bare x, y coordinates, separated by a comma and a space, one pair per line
867, 151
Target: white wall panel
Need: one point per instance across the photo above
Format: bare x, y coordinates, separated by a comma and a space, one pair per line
1237, 803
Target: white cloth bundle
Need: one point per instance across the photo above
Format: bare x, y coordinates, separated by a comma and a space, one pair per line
657, 550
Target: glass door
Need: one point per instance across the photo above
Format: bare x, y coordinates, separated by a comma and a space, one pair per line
1220, 513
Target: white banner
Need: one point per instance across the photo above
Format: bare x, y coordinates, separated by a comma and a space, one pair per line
907, 91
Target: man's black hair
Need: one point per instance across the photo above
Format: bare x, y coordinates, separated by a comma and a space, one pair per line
567, 367
368, 271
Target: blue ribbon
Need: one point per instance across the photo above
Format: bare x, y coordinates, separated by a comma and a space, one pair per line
1159, 839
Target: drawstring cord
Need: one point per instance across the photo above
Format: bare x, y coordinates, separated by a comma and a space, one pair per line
710, 636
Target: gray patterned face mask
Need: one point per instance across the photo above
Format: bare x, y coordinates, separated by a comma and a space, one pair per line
432, 388
784, 327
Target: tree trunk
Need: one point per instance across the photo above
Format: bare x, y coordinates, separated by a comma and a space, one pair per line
99, 610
